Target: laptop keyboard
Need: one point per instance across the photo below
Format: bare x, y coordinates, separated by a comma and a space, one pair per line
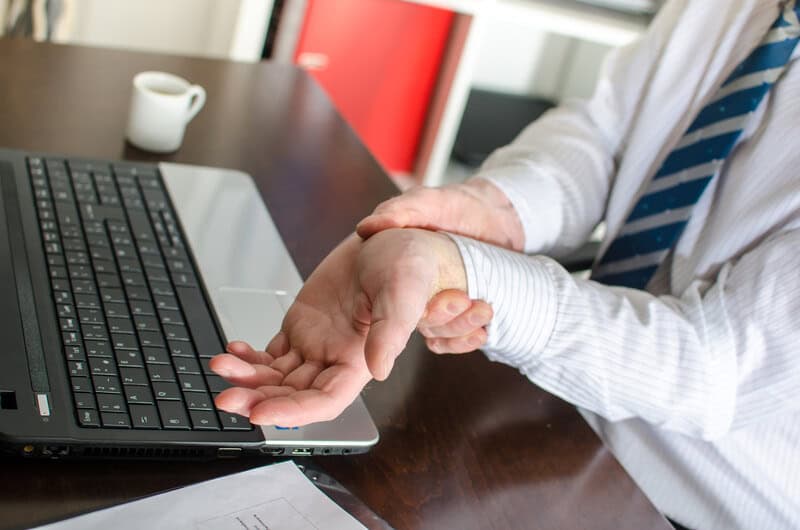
134, 320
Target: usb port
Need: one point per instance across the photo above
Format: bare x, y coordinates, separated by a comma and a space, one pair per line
307, 451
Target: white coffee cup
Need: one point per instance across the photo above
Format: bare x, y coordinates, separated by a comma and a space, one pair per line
161, 106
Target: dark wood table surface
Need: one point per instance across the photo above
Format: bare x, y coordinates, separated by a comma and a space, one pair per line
465, 443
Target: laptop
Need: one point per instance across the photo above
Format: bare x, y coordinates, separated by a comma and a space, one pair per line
118, 282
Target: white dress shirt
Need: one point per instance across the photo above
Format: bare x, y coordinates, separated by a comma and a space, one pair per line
695, 383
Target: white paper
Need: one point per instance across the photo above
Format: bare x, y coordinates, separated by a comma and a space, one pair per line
276, 497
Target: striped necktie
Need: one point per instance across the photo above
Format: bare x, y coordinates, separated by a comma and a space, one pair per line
663, 210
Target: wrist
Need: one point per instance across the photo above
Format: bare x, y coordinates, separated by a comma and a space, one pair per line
451, 272
505, 214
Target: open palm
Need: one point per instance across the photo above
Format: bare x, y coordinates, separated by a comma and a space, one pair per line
352, 318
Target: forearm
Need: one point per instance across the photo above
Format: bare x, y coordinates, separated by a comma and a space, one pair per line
701, 364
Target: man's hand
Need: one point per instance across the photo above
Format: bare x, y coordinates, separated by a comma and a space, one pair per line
348, 324
455, 324
475, 209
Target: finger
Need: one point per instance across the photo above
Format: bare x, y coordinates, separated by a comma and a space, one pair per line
244, 351
395, 312
465, 344
287, 363
443, 307
375, 223
242, 373
242, 400
301, 377
476, 317
238, 400
279, 345
335, 388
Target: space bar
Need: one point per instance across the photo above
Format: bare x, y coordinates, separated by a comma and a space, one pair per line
199, 321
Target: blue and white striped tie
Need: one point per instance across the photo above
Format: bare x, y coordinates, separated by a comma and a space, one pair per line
662, 212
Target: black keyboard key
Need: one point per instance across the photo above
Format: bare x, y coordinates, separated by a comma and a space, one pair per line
91, 316
81, 384
192, 383
133, 279
88, 301
122, 341
205, 362
198, 318
198, 401
129, 358
74, 244
158, 288
65, 310
173, 415
68, 324
179, 333
102, 266
107, 384
78, 368
125, 251
98, 348
156, 275
166, 390
85, 400
171, 317
187, 365
217, 384
88, 418
161, 372
204, 420
183, 279
74, 353
152, 261
139, 394
129, 265
94, 332
142, 307
117, 310
111, 403
82, 287
133, 376
144, 417
115, 421
108, 280
71, 338
166, 302
181, 349
80, 272
103, 366
234, 422
101, 254
156, 356
146, 323
113, 296
151, 339
63, 297
120, 325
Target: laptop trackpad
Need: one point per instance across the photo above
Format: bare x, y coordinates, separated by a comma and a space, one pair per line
251, 315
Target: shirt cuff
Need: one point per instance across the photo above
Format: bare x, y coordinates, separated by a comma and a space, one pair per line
522, 294
536, 204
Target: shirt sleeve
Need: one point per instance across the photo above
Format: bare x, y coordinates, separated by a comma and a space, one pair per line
720, 356
557, 173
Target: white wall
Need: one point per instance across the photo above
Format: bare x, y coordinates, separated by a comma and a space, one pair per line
184, 27
518, 59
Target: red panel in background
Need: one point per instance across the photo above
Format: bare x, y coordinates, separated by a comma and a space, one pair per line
379, 61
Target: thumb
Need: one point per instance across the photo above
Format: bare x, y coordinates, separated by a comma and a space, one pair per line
378, 222
395, 314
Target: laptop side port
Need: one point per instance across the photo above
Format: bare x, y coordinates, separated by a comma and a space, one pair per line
229, 452
306, 451
272, 451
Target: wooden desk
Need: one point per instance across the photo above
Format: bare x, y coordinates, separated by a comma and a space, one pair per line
466, 443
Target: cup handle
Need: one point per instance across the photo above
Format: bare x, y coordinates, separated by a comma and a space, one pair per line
198, 97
